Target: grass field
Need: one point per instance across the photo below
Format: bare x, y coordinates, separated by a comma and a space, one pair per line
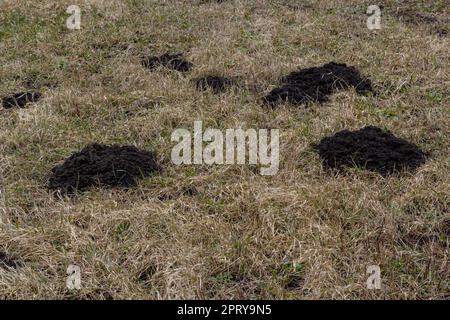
203, 232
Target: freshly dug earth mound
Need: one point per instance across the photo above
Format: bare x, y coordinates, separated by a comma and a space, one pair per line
317, 84
216, 83
98, 164
6, 262
20, 99
172, 61
370, 148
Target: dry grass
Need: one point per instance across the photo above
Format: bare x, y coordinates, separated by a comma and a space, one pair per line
222, 231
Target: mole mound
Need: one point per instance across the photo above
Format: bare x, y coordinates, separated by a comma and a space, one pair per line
370, 148
20, 99
6, 262
216, 83
98, 164
172, 61
317, 84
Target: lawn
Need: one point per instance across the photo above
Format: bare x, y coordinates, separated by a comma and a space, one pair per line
222, 231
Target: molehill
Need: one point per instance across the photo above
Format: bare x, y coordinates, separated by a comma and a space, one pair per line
102, 165
370, 148
317, 84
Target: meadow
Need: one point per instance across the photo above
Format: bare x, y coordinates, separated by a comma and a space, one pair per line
222, 231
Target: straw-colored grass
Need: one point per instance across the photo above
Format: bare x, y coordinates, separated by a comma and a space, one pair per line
222, 231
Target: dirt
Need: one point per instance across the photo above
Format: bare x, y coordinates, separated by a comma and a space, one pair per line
102, 165
317, 84
6, 262
217, 84
20, 99
171, 61
370, 148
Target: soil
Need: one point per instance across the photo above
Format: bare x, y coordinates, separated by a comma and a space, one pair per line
172, 61
317, 84
20, 99
370, 148
6, 262
216, 83
96, 164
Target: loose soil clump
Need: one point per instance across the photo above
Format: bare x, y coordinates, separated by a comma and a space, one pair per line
217, 84
171, 61
102, 165
317, 84
20, 99
370, 148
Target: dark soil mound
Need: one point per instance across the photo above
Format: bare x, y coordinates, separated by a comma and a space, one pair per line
317, 84
6, 262
370, 148
172, 61
99, 164
216, 83
20, 99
